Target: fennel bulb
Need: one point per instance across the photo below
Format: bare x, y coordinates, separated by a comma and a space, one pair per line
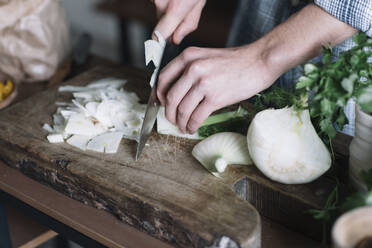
284, 146
219, 150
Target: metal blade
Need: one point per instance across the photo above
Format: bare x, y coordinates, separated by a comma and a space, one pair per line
148, 121
153, 103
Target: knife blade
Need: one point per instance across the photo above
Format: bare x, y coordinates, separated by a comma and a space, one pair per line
170, 51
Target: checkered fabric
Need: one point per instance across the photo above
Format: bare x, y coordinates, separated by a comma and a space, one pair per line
356, 13
255, 18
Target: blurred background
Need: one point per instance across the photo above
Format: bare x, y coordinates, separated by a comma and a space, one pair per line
118, 28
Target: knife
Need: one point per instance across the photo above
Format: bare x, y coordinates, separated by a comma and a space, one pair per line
170, 52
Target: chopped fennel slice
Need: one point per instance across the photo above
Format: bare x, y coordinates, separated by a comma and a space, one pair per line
165, 127
107, 142
55, 138
79, 141
48, 128
58, 119
219, 150
107, 82
99, 115
71, 88
92, 107
153, 52
79, 124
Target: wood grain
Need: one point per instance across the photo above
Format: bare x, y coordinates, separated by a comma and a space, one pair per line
166, 194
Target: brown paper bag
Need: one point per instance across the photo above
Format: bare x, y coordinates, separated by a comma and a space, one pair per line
34, 39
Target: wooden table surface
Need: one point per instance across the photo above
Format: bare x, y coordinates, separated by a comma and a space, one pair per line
110, 231
106, 228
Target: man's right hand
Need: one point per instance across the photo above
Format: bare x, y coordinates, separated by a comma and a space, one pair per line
178, 18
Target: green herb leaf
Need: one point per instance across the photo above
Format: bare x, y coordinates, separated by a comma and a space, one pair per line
348, 83
364, 99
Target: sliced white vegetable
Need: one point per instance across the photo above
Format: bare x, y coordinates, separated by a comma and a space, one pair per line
64, 104
153, 77
153, 52
70, 88
55, 138
218, 151
107, 82
154, 49
285, 146
79, 124
48, 128
58, 119
107, 142
165, 127
100, 115
67, 113
92, 107
79, 141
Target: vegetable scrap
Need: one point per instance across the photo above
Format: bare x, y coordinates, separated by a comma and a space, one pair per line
218, 151
98, 117
153, 52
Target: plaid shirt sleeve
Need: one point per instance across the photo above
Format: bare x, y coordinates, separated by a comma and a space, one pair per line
357, 13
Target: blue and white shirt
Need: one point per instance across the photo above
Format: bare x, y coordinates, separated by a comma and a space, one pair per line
255, 18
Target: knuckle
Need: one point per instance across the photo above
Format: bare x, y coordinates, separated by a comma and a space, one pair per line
191, 26
181, 114
210, 100
182, 111
170, 99
190, 52
204, 82
193, 124
197, 67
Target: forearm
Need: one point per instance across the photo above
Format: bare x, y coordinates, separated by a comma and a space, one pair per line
301, 38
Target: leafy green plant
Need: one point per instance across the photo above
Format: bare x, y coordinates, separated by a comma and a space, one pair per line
329, 212
333, 208
334, 81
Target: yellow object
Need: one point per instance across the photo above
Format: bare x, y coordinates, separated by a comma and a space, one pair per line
8, 87
6, 90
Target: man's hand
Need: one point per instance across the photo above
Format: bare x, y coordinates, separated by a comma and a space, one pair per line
178, 18
210, 79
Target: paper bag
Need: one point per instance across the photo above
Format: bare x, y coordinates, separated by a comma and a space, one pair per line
34, 39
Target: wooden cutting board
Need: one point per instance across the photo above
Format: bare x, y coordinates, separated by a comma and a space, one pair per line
167, 193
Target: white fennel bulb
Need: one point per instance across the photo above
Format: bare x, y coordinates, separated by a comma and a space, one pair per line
218, 151
284, 146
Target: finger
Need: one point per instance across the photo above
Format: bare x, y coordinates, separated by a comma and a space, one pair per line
187, 106
174, 15
174, 96
189, 24
161, 6
204, 109
167, 76
177, 92
174, 69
